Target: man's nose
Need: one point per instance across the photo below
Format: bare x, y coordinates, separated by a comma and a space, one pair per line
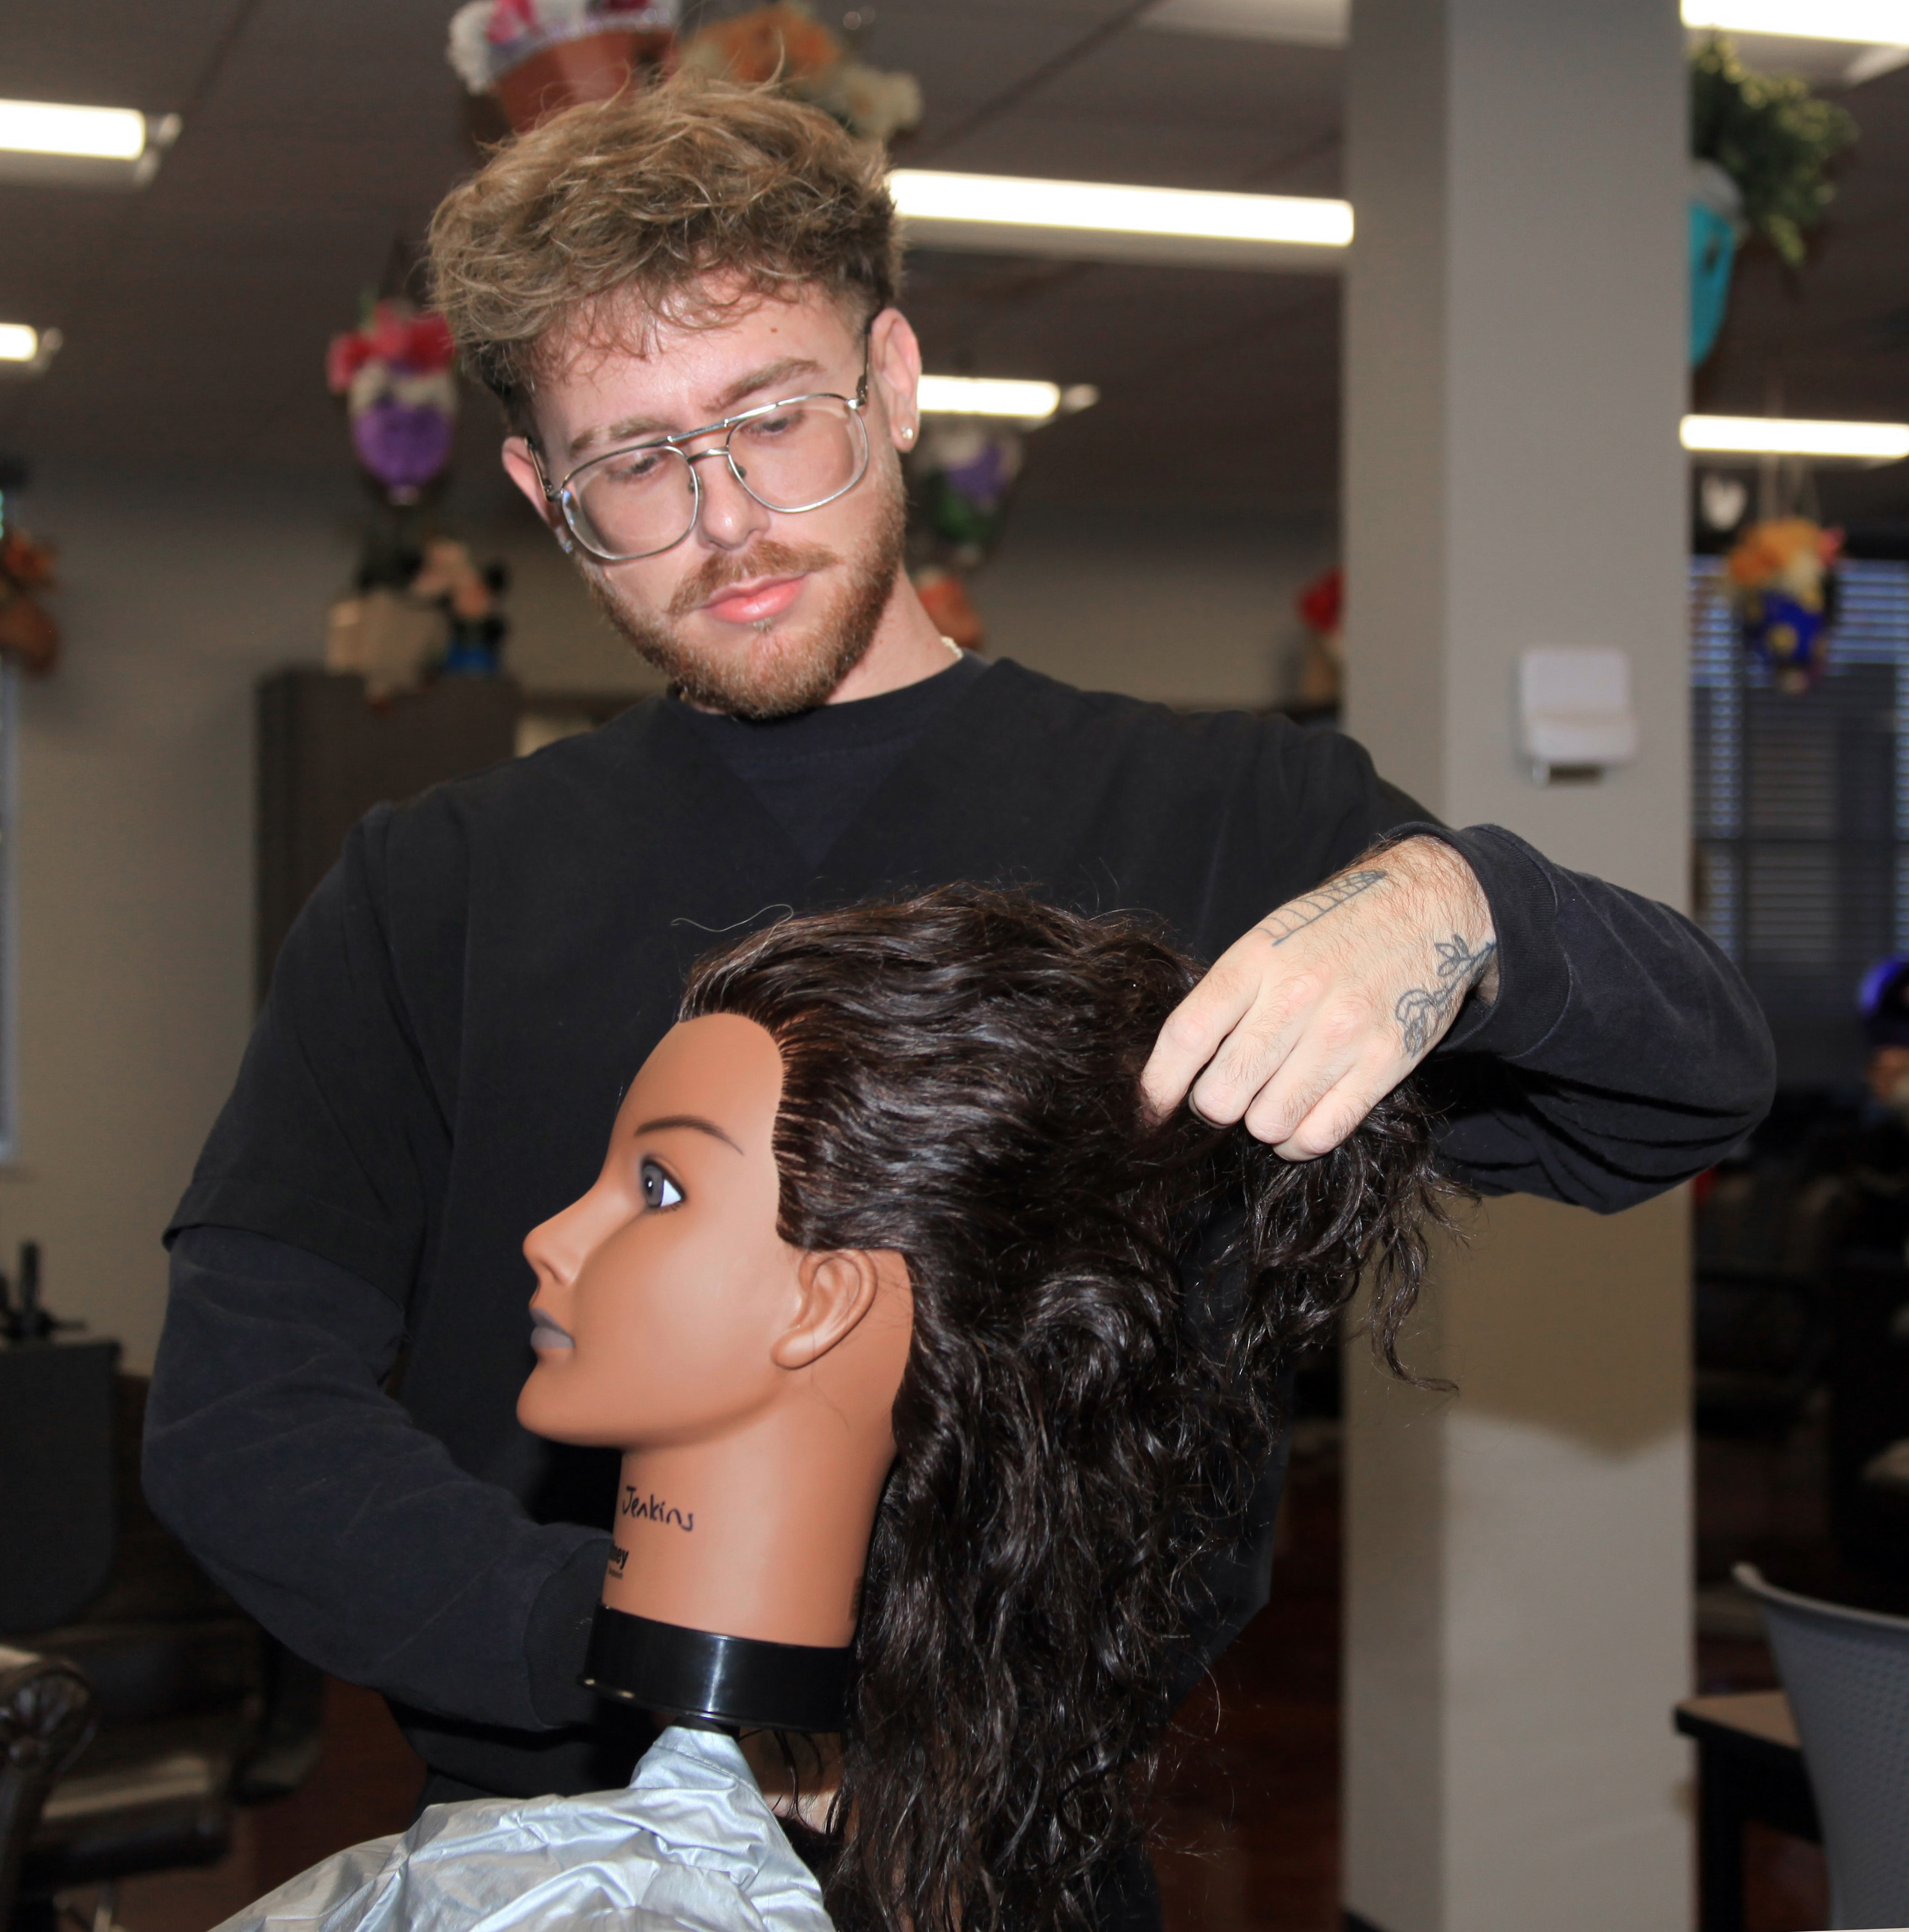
730, 517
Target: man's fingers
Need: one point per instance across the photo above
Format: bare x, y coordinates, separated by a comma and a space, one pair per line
1192, 1034
1256, 1049
1332, 1118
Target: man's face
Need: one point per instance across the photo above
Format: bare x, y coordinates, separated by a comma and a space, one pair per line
756, 612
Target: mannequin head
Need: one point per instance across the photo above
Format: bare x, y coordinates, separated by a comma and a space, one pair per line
669, 1308
749, 1380
960, 1089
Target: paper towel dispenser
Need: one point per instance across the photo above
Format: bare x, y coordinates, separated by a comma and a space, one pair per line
1574, 718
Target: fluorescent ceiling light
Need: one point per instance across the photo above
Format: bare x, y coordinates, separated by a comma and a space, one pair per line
1311, 220
1877, 23
25, 351
1318, 23
1103, 220
1002, 397
45, 141
101, 133
1780, 436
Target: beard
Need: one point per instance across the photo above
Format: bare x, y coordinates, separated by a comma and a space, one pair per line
777, 673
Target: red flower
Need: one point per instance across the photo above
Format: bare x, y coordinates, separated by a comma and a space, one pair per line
430, 347
395, 333
1322, 602
388, 332
344, 359
510, 20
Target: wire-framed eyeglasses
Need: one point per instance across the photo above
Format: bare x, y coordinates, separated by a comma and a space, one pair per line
792, 455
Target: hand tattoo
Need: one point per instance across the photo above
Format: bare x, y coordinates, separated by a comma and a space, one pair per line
1297, 914
1420, 1010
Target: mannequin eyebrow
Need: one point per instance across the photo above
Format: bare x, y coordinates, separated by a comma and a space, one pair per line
701, 1125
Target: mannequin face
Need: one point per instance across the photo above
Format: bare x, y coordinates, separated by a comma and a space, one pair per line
662, 1294
669, 1311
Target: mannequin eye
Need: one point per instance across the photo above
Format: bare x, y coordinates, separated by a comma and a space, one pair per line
659, 1190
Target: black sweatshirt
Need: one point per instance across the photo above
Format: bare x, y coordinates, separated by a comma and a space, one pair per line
457, 1012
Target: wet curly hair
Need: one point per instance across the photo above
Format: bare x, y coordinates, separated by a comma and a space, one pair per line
614, 214
1075, 1431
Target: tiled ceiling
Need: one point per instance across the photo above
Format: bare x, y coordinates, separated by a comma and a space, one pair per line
318, 138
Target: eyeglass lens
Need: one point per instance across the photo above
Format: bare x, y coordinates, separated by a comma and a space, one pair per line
636, 502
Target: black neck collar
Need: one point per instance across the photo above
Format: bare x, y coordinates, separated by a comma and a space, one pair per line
733, 1680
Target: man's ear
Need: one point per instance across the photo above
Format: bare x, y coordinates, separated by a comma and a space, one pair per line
521, 466
837, 1287
895, 362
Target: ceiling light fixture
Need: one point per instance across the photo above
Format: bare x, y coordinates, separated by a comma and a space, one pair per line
106, 147
1785, 436
1318, 23
26, 351
1002, 397
1876, 22
1103, 220
44, 127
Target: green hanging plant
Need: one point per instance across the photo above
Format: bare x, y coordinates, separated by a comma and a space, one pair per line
1772, 137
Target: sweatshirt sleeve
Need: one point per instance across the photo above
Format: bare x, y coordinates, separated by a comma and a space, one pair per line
1622, 1053
273, 1452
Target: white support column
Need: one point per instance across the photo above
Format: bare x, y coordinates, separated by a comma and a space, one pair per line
1517, 1557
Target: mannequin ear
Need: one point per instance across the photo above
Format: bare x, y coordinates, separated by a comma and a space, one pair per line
838, 1287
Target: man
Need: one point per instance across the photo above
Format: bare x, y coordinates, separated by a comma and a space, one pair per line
686, 302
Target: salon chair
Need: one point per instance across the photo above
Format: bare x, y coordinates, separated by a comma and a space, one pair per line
195, 1709
46, 1717
1846, 1674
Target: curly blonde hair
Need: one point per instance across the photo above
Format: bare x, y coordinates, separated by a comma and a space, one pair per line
613, 216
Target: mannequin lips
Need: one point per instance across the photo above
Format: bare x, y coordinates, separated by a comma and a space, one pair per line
545, 1334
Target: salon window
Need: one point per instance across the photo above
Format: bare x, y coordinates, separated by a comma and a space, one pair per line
1801, 814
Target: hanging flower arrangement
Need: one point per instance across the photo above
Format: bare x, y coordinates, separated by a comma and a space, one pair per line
539, 56
1760, 147
27, 635
1782, 579
395, 373
783, 43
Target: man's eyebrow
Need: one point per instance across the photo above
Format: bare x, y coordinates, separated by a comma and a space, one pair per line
695, 1120
634, 429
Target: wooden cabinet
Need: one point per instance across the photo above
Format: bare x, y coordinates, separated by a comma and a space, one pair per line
326, 757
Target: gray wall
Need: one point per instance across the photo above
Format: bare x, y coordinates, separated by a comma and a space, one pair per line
134, 842
1195, 609
134, 853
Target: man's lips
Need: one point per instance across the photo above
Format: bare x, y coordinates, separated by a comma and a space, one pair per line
753, 602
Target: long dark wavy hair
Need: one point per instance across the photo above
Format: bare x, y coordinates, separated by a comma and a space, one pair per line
1074, 1432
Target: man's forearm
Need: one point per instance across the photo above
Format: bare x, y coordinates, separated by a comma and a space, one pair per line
274, 1454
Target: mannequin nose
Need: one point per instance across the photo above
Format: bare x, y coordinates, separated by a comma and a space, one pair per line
553, 1250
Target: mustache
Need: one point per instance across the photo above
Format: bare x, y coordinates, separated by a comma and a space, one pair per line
716, 574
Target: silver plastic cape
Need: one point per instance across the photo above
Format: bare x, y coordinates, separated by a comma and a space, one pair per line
691, 1844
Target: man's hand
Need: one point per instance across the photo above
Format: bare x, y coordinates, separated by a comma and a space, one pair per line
1302, 1026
